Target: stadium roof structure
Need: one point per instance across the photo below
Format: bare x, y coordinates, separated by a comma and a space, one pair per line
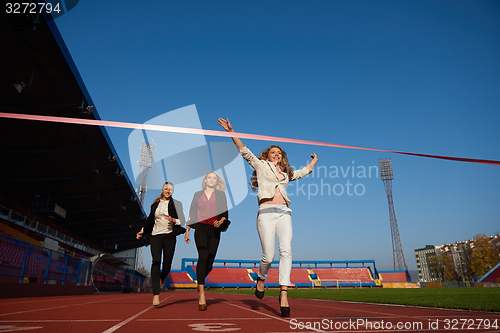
48, 166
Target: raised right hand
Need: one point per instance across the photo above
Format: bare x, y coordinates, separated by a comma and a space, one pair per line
226, 124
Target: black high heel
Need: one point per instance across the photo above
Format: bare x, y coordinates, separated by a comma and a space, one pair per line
259, 294
285, 310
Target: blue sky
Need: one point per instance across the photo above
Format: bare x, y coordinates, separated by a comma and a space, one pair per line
415, 76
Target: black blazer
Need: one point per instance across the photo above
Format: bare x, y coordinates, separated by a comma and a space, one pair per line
174, 210
220, 199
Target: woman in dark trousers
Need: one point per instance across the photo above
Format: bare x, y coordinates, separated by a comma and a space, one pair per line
209, 217
165, 213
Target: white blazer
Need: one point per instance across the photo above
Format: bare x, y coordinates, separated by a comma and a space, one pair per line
268, 177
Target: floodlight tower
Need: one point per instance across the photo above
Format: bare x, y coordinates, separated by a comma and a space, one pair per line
146, 162
387, 176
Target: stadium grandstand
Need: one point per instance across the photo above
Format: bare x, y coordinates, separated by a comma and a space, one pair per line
492, 277
65, 199
305, 274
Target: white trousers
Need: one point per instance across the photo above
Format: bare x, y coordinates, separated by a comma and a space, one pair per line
275, 220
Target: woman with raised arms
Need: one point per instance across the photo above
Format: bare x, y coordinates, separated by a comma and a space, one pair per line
272, 172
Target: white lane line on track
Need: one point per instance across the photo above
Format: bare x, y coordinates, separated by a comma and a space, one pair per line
393, 315
271, 317
126, 321
17, 329
60, 307
365, 317
29, 300
364, 311
24, 301
204, 319
403, 306
58, 321
384, 315
392, 331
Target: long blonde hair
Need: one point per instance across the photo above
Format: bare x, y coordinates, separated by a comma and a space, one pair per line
158, 198
220, 185
285, 166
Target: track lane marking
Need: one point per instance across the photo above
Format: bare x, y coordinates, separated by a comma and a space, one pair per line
18, 301
271, 317
126, 321
17, 329
57, 320
191, 319
59, 307
406, 316
390, 315
394, 330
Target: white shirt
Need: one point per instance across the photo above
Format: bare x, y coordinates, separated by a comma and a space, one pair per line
162, 225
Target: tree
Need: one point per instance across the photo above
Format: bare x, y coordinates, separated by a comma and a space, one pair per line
441, 267
450, 273
484, 255
436, 266
465, 271
143, 271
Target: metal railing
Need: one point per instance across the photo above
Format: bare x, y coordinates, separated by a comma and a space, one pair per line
335, 283
32, 263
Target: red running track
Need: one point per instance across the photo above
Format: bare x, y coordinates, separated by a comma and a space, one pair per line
178, 312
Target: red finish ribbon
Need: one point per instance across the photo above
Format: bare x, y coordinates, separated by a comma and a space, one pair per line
185, 130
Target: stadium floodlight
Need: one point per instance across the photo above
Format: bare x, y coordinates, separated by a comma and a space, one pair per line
387, 175
146, 162
386, 172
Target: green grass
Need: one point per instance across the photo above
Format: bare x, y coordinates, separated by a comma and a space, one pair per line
478, 299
